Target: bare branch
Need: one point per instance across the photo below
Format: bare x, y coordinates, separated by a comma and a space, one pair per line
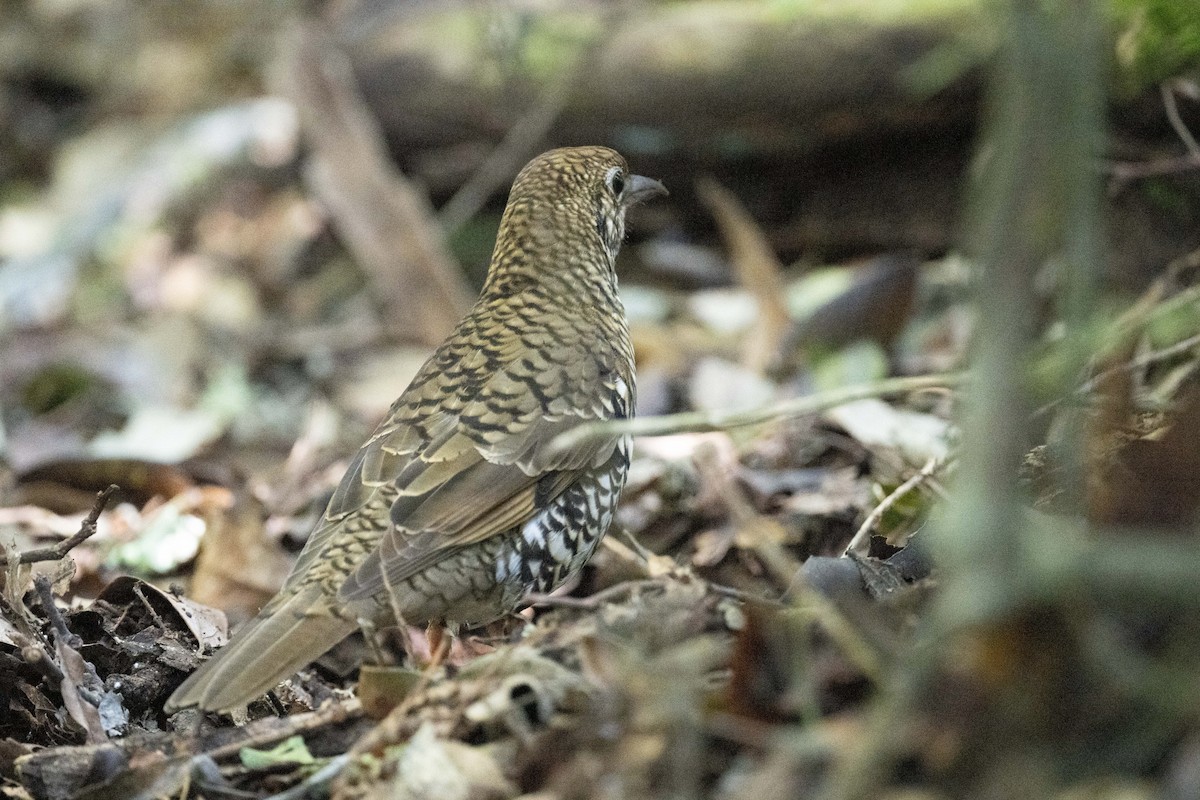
86, 530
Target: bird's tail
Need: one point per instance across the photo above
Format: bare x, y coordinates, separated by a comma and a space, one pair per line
264, 652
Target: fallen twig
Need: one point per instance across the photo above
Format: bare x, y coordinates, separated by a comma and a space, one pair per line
46, 595
87, 529
860, 542
332, 714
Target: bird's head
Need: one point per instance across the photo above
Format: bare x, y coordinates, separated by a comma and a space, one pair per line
569, 200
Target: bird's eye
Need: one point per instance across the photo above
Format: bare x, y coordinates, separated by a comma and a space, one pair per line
616, 181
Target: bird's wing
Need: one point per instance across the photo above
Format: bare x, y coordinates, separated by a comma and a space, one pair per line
456, 492
451, 471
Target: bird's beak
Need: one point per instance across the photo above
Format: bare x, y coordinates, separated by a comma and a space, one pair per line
639, 188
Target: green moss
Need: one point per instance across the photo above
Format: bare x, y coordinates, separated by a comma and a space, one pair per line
1155, 40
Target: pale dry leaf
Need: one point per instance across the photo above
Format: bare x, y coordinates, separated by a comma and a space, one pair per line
758, 270
75, 675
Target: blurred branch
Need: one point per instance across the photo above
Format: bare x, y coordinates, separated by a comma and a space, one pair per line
1046, 109
1123, 172
1113, 352
701, 422
387, 223
1144, 360
1035, 203
519, 144
526, 136
1181, 130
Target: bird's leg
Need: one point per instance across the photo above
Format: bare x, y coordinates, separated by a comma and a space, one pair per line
370, 636
381, 642
439, 644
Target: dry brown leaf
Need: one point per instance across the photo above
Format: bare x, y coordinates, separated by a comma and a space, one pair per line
758, 269
238, 568
75, 675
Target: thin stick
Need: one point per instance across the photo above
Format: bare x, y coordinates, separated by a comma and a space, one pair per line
591, 602
860, 543
1181, 130
46, 595
1144, 360
86, 530
705, 422
1123, 172
333, 714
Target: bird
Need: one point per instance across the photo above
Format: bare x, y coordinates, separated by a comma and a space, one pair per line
458, 505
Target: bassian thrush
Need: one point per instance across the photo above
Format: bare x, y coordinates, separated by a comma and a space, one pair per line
457, 506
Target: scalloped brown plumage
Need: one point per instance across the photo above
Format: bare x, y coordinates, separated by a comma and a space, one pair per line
456, 507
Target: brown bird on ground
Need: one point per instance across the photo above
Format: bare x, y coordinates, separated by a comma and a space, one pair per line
457, 507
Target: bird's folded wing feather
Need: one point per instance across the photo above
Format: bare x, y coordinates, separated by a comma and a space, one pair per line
454, 493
